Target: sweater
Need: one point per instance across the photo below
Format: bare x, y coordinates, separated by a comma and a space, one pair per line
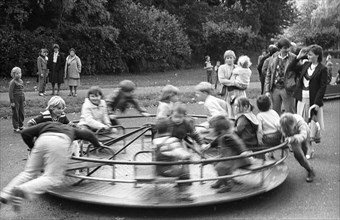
16, 88
29, 134
45, 117
94, 116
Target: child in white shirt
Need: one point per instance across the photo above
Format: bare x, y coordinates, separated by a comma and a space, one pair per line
268, 132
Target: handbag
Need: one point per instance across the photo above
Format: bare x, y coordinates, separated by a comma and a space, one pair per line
223, 90
290, 82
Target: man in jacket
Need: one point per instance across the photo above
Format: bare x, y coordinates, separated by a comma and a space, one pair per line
279, 83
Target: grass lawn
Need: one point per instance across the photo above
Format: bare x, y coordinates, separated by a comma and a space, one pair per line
189, 77
184, 77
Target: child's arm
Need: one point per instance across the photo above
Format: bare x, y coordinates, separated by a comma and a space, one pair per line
11, 92
301, 136
29, 134
87, 135
222, 77
260, 131
194, 134
34, 121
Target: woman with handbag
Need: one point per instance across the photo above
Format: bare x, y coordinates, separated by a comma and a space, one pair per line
311, 86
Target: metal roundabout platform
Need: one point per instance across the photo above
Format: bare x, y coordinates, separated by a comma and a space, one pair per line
127, 178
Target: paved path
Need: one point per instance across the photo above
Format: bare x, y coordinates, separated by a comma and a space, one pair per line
294, 199
139, 90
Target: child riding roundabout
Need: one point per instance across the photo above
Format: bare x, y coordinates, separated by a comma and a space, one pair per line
50, 135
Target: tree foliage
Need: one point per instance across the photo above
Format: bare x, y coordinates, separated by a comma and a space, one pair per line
319, 22
116, 36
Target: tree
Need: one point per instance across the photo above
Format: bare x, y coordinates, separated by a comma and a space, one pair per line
318, 22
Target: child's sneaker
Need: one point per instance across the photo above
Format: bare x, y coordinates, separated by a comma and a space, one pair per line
17, 130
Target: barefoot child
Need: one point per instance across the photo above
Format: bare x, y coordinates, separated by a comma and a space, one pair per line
168, 97
17, 99
229, 144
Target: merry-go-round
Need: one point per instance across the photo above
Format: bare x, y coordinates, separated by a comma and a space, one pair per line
123, 173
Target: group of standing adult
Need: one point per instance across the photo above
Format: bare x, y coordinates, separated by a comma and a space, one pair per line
295, 79
54, 68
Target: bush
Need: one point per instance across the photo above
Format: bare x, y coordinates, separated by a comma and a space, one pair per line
151, 39
21, 48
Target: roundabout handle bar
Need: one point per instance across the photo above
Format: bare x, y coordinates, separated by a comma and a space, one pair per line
207, 161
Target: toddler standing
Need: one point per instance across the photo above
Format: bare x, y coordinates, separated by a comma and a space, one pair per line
209, 68
17, 99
